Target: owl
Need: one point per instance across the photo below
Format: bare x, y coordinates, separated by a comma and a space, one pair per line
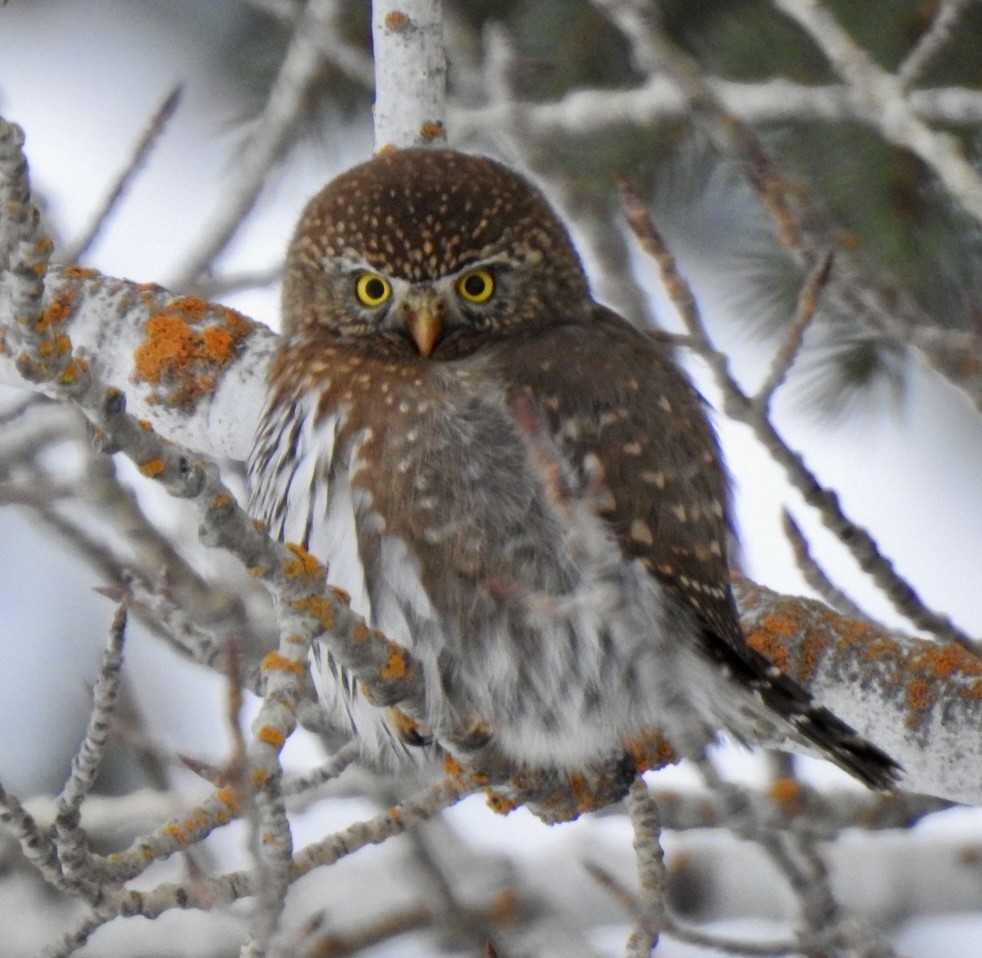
509, 480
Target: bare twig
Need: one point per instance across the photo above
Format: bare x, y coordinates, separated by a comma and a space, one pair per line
646, 820
883, 93
932, 42
73, 850
266, 144
349, 59
813, 574
808, 302
141, 151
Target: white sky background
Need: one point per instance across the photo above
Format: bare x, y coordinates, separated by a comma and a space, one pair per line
82, 78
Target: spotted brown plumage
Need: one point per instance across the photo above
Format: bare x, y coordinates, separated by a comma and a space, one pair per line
509, 480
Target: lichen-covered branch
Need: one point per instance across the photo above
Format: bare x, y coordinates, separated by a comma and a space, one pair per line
918, 699
410, 73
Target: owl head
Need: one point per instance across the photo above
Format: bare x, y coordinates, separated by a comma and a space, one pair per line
429, 253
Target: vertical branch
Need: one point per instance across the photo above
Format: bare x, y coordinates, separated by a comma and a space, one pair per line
652, 875
410, 73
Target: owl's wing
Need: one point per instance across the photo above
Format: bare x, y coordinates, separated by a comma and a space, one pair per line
612, 395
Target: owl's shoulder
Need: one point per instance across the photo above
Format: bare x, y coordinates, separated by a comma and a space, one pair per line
598, 361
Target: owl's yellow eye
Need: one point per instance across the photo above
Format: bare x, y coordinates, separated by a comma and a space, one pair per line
372, 289
477, 286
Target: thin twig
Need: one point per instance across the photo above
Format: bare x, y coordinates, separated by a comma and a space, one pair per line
652, 876
73, 848
932, 41
326, 772
141, 151
813, 573
805, 312
267, 142
225, 284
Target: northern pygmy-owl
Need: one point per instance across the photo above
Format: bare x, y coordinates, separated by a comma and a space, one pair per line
508, 478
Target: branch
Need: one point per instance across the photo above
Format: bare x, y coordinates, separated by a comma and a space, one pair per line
193, 368
884, 95
917, 699
932, 41
657, 100
410, 73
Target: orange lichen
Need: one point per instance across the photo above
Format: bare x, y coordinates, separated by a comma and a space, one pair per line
79, 272
271, 736
187, 344
318, 607
218, 344
175, 831
169, 344
771, 634
152, 468
341, 595
230, 798
396, 667
275, 662
943, 661
812, 650
59, 310
396, 20
259, 778
432, 131
304, 564
498, 803
920, 697
452, 767
222, 501
42, 250
789, 793
360, 632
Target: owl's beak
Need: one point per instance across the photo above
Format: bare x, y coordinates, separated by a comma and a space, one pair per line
425, 323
